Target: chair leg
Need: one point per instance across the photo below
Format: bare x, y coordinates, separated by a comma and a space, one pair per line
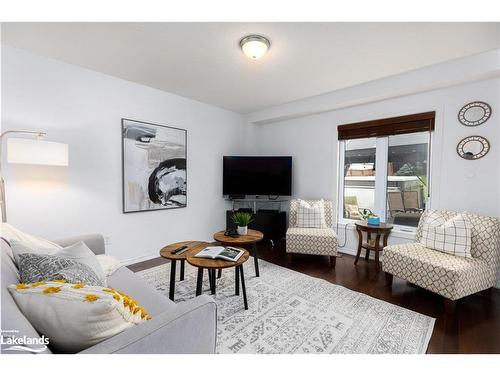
289, 258
333, 261
388, 278
449, 306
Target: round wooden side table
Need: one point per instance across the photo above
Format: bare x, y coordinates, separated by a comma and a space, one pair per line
251, 238
193, 248
379, 231
217, 264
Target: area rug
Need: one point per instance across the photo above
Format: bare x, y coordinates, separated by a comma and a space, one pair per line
290, 312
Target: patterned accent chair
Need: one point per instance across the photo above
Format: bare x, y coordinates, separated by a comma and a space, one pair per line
451, 276
315, 241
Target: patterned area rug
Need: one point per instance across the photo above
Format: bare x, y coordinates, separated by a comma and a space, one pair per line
290, 312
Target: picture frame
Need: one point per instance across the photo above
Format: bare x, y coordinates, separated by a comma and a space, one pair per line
154, 166
474, 113
473, 147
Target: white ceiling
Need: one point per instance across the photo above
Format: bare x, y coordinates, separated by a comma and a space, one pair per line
203, 61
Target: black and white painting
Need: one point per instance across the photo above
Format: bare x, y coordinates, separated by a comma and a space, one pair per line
153, 166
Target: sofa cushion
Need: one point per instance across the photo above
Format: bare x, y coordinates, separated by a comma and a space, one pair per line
129, 283
9, 233
108, 264
452, 277
311, 214
13, 319
76, 316
10, 273
317, 241
452, 236
75, 264
294, 203
485, 231
94, 242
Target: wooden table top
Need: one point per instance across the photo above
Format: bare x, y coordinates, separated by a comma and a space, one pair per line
252, 237
217, 263
381, 227
194, 247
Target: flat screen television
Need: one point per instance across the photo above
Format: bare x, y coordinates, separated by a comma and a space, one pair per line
257, 175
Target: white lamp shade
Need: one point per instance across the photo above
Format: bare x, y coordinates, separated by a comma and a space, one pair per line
31, 151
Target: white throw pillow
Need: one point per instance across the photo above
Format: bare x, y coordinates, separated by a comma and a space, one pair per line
453, 236
76, 316
9, 233
311, 215
108, 264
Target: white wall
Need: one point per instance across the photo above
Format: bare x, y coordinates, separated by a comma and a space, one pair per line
83, 108
456, 184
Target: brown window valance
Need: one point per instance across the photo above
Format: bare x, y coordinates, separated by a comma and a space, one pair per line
388, 126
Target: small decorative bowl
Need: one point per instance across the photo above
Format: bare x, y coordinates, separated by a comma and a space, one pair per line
373, 220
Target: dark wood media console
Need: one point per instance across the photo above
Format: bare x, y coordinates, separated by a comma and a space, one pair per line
270, 222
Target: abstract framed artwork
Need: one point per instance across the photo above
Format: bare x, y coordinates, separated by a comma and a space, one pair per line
154, 166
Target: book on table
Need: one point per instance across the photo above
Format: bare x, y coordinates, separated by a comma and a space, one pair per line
220, 252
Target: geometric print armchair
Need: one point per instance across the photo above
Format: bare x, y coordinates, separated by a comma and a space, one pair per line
451, 276
315, 241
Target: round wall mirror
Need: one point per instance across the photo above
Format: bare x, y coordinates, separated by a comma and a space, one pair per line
473, 148
474, 114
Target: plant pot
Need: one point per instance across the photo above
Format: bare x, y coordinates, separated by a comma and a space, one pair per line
242, 231
373, 220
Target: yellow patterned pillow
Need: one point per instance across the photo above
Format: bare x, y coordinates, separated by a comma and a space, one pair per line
76, 316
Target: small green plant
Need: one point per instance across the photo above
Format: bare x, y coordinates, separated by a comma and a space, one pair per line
242, 219
365, 213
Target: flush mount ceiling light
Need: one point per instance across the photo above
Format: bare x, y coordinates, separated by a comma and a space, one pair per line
254, 46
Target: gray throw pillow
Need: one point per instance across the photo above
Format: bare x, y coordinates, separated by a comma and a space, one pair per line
40, 267
75, 264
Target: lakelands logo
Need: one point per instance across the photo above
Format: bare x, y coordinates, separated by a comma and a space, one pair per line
11, 341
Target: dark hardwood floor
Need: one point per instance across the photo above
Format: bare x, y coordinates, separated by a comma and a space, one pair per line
473, 328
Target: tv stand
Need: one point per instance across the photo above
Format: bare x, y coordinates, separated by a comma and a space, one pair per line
268, 216
257, 204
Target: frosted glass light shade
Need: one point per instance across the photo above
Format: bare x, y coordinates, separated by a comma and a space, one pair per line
254, 46
32, 151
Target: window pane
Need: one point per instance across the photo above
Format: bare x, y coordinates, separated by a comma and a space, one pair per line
359, 177
407, 178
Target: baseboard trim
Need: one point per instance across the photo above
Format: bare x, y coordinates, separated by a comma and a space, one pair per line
142, 258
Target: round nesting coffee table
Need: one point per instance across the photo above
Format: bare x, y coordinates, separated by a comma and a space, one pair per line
193, 248
382, 230
251, 238
216, 264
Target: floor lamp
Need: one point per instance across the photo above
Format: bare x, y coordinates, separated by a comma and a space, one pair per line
30, 151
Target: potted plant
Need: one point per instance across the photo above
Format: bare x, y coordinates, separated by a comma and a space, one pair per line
369, 216
242, 219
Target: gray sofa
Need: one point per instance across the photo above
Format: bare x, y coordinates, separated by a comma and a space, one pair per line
188, 327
